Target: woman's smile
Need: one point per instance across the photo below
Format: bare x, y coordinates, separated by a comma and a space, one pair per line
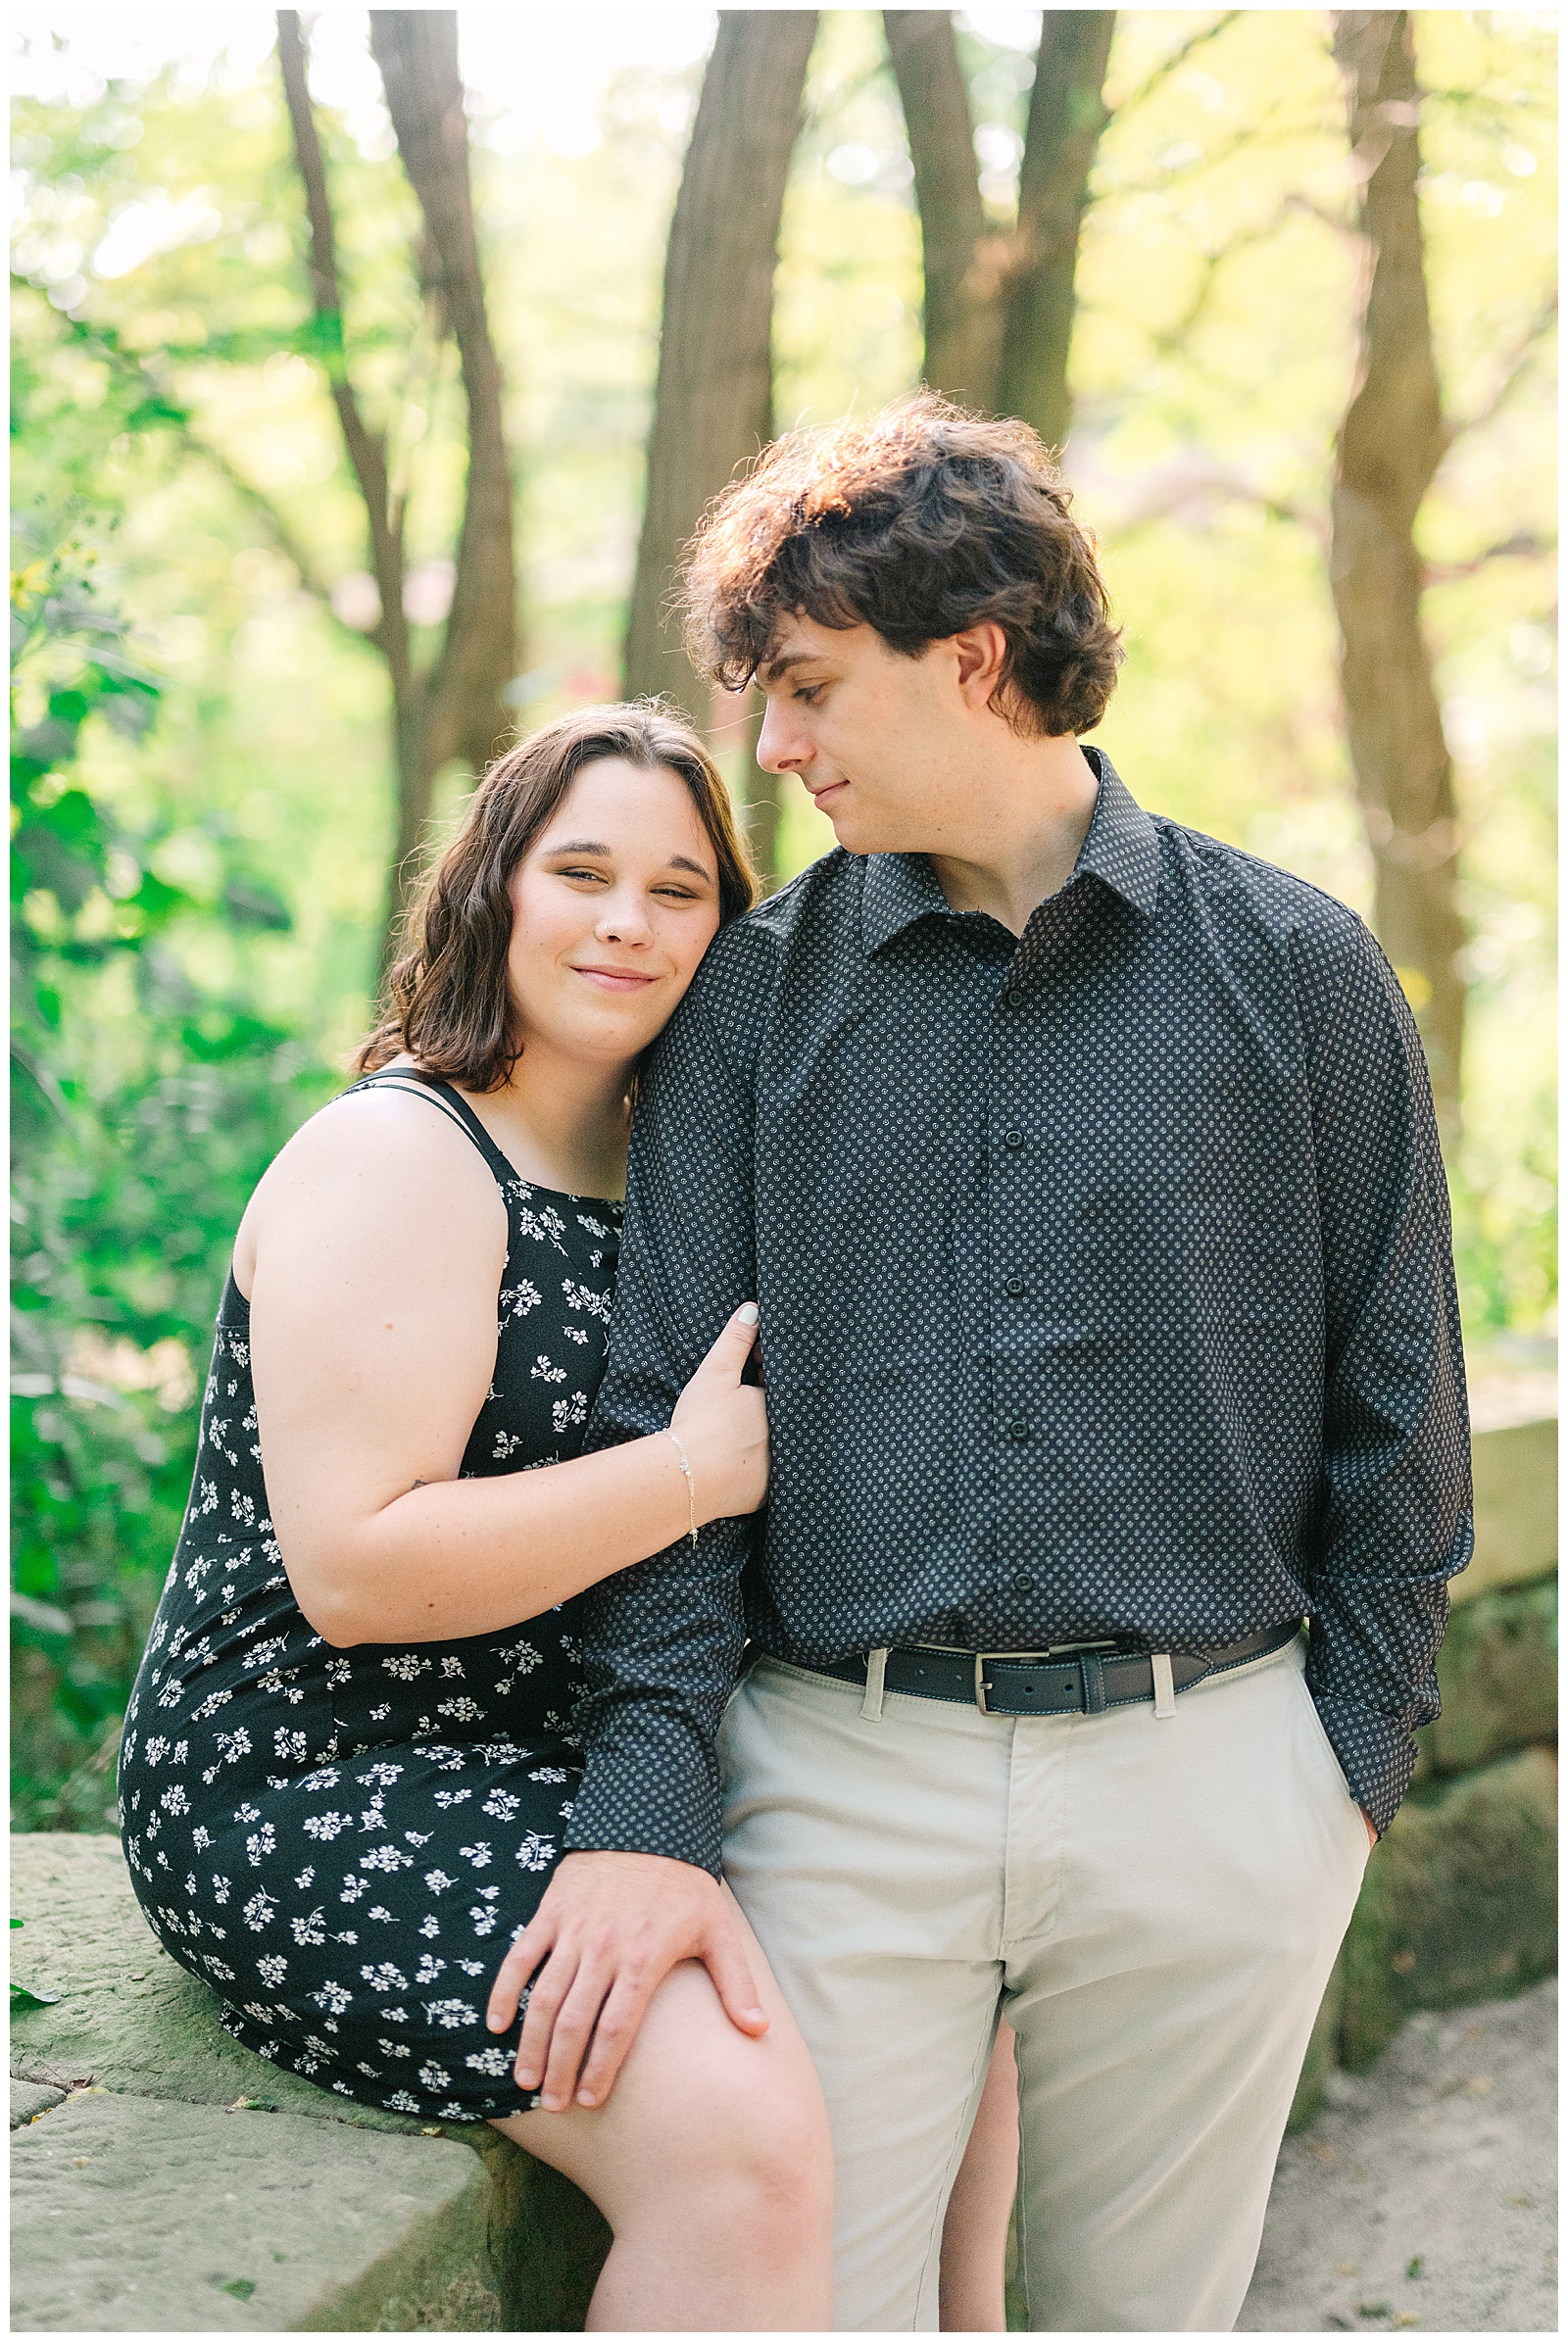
613, 979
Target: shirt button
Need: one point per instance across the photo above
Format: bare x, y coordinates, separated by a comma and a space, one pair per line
1014, 1286
1023, 1585
1013, 1139
1017, 1428
1015, 999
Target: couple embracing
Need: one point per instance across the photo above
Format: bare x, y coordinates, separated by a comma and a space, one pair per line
728, 1793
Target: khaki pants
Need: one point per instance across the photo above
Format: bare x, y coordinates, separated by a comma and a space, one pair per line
1154, 1901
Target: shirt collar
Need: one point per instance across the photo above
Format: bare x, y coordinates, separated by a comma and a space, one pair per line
1121, 848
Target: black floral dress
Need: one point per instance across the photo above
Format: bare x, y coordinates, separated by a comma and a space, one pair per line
344, 1842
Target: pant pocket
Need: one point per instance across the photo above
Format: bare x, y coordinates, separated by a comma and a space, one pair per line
1327, 1763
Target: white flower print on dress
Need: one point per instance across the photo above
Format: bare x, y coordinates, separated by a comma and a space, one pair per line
451, 2013
326, 1826
233, 1649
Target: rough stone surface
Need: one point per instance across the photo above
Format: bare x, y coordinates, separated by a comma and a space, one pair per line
133, 2023
1459, 1904
1424, 2196
132, 2213
128, 2013
31, 2098
1516, 1509
1497, 1674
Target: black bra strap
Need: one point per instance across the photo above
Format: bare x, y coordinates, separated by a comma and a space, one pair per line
456, 1108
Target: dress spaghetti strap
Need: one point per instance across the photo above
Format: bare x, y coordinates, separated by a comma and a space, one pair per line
456, 1108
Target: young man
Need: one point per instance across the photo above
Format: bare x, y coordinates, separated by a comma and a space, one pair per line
1085, 1173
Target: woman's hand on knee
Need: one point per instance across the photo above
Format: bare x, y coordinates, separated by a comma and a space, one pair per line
609, 1931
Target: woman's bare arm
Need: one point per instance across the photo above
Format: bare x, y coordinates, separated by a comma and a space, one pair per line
373, 1249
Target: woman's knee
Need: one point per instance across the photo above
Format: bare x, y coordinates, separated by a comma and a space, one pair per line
761, 2143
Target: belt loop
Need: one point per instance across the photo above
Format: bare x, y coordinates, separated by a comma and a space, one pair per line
1164, 1683
876, 1668
1092, 1669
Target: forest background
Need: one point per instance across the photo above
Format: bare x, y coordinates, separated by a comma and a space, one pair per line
251, 670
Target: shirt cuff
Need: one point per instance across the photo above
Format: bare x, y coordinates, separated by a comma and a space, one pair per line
649, 1799
1376, 1754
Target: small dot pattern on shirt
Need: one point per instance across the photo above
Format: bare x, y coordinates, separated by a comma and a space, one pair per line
344, 1842
1106, 1293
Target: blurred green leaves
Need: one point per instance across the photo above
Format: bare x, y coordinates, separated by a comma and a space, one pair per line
144, 1108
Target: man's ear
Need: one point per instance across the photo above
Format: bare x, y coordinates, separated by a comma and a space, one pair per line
981, 652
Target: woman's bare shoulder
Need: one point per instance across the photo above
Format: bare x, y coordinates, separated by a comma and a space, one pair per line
400, 1164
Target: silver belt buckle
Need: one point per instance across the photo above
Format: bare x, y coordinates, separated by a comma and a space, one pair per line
1058, 1650
1024, 1659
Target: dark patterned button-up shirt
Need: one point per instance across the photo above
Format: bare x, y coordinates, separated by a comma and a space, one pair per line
1106, 1292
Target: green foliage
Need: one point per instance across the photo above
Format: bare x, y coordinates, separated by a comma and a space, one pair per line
144, 1108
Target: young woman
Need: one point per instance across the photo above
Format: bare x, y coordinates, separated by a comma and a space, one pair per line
347, 1757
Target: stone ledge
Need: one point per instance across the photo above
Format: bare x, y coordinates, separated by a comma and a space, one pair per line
1460, 1903
1515, 1473
30, 2099
135, 2213
143, 2033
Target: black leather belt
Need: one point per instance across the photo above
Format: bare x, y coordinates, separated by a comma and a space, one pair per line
1074, 1680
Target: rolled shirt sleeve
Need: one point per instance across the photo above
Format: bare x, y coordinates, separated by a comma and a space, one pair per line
1396, 1520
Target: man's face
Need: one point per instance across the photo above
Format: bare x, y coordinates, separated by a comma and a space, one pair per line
882, 742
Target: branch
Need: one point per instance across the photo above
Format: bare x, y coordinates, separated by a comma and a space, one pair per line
416, 53
1200, 478
1522, 545
1171, 64
1241, 141
366, 451
1174, 337
1544, 318
278, 528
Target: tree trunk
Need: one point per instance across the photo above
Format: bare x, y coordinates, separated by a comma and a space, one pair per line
1391, 443
416, 51
1067, 115
999, 306
452, 708
961, 262
713, 404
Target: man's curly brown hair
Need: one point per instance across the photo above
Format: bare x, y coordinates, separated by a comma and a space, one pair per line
919, 521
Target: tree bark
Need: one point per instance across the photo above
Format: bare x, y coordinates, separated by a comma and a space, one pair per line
713, 402
962, 260
452, 707
1390, 442
416, 51
999, 304
1067, 115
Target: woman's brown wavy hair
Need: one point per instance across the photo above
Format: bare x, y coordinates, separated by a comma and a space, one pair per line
447, 999
919, 521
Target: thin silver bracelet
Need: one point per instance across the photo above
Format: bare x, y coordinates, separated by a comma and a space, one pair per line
691, 1484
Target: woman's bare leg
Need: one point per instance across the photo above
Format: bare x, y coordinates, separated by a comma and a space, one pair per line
712, 2162
974, 2234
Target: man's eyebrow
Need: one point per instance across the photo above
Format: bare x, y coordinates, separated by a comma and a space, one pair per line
771, 668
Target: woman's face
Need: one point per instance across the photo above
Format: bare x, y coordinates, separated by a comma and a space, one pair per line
613, 905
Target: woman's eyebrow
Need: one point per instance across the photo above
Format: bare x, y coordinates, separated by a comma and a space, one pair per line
677, 862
